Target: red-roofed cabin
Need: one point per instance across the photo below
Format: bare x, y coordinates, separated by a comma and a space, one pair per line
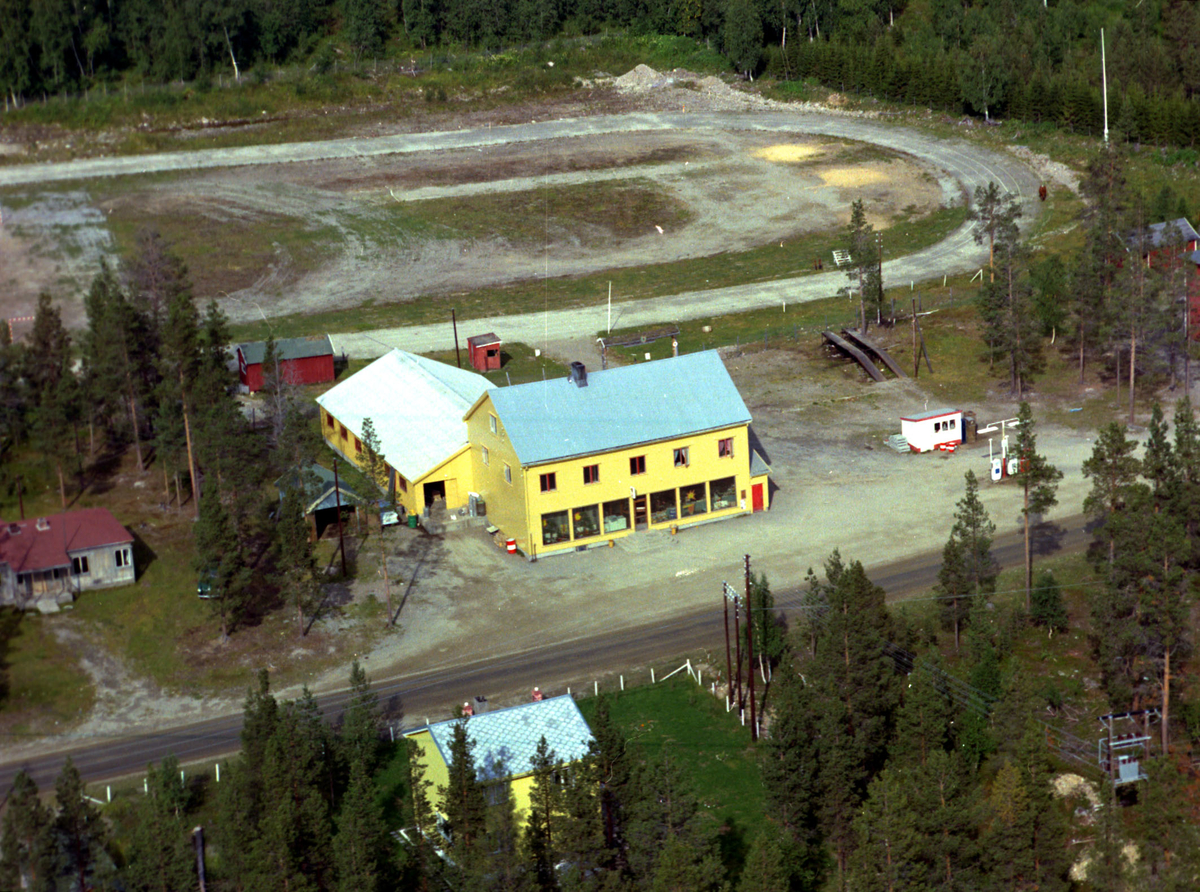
484, 351
301, 361
45, 562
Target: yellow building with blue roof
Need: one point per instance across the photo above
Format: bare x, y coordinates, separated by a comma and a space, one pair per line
580, 461
505, 743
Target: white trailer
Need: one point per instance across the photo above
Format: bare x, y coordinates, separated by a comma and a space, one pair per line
933, 429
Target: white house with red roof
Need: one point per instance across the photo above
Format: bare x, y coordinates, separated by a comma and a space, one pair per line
45, 562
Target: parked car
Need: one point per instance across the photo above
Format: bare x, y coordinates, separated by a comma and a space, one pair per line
206, 584
388, 517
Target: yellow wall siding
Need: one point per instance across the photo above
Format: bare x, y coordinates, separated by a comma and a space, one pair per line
438, 773
457, 472
615, 480
436, 770
505, 501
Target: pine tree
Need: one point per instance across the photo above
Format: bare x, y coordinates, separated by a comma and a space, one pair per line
297, 560
464, 803
765, 869
180, 362
924, 718
996, 213
371, 477
1039, 480
1113, 469
80, 831
1046, 607
359, 739
968, 568
360, 843
219, 560
160, 858
545, 809
864, 262
26, 840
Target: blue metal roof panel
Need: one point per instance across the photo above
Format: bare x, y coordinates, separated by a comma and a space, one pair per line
1158, 231
643, 403
758, 465
506, 739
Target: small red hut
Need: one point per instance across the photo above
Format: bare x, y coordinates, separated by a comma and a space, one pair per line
484, 351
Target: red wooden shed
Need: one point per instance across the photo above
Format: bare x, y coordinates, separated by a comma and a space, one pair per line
484, 351
301, 361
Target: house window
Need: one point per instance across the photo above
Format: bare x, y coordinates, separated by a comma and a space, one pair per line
507, 473
483, 453
492, 423
616, 515
587, 521
937, 426
342, 430
662, 506
328, 420
692, 501
723, 493
555, 527
549, 482
79, 565
358, 445
402, 483
681, 457
637, 465
951, 424
725, 448
123, 558
591, 474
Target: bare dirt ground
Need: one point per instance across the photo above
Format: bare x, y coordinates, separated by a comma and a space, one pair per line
321, 235
822, 429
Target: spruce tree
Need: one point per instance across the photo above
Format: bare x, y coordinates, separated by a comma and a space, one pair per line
1113, 469
968, 568
359, 738
464, 802
1039, 480
545, 810
297, 560
765, 869
925, 716
359, 847
80, 831
219, 561
180, 363
27, 850
1047, 608
160, 857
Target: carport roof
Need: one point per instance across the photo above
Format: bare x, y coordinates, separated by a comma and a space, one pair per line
642, 403
416, 405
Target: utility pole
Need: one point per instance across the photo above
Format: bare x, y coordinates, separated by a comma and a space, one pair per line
737, 638
1104, 82
454, 322
337, 495
728, 658
750, 649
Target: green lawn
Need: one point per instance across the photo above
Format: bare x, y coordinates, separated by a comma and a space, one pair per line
683, 721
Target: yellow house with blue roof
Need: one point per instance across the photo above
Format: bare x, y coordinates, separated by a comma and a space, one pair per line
505, 743
580, 461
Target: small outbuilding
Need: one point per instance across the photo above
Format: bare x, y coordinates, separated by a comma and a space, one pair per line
306, 360
45, 562
324, 493
933, 429
484, 351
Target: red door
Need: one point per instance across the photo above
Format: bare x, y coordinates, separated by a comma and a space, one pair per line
756, 496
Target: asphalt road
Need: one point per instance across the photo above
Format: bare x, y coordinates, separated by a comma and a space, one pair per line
554, 666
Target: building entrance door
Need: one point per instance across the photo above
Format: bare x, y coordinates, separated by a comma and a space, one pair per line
640, 512
756, 496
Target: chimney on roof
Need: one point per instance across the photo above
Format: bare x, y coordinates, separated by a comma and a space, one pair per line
579, 374
42, 524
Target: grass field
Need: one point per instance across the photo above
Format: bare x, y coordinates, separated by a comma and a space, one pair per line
763, 264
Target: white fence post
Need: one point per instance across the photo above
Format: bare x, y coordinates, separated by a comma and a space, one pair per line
622, 682
595, 687
218, 772
146, 786
651, 675
109, 790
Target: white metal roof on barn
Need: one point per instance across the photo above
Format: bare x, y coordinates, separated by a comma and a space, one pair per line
642, 403
416, 405
506, 739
